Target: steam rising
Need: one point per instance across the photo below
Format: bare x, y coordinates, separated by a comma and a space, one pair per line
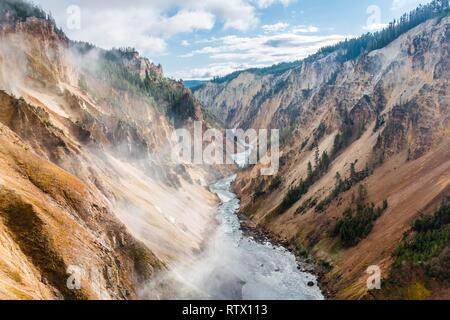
126, 164
232, 266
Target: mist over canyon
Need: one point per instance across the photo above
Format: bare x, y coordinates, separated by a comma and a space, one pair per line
93, 205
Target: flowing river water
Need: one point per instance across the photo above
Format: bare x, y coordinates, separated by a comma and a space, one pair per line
236, 266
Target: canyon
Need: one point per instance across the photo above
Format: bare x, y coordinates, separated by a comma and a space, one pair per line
86, 174
88, 184
378, 122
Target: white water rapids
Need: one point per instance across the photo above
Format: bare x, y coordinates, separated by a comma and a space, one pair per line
253, 270
234, 266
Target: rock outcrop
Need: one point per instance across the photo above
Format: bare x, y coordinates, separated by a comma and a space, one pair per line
382, 120
91, 205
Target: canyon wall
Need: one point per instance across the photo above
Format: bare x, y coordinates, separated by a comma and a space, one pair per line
379, 123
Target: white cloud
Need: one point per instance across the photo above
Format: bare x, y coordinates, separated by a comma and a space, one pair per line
147, 25
267, 3
232, 52
305, 29
186, 21
375, 26
118, 28
212, 70
280, 26
234, 14
403, 5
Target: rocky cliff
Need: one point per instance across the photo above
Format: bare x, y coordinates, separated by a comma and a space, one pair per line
371, 132
87, 185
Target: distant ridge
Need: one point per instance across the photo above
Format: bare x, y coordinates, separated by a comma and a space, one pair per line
354, 48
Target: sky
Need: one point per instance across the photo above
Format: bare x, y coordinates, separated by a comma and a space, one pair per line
200, 39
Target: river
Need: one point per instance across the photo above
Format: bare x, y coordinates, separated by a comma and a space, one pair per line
236, 266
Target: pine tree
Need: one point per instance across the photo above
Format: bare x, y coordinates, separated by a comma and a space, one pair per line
338, 180
352, 171
316, 157
324, 162
310, 170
